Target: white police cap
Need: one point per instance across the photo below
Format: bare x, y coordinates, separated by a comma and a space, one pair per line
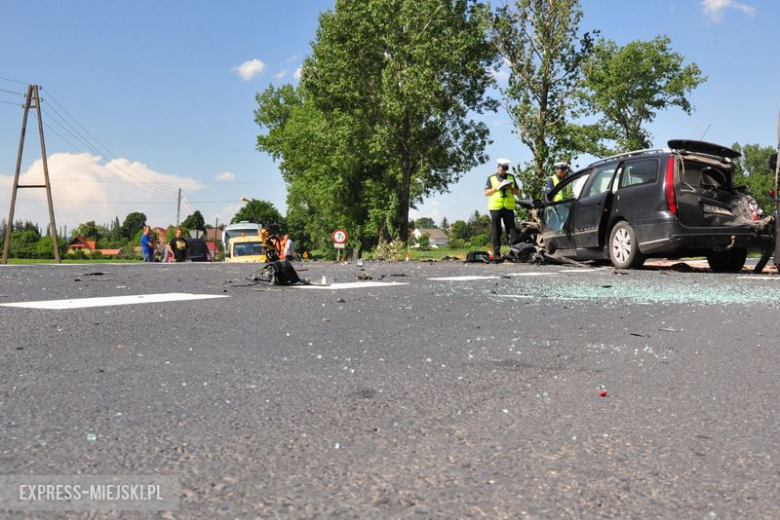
503, 162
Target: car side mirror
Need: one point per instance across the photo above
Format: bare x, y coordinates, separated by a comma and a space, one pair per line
773, 162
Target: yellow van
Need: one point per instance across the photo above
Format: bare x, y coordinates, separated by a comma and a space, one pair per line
247, 249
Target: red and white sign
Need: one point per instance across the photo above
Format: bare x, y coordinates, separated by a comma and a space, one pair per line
340, 237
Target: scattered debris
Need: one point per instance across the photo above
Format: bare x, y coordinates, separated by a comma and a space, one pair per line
681, 267
603, 393
668, 329
91, 437
96, 273
340, 300
639, 335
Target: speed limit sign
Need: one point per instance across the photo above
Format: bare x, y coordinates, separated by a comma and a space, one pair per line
340, 237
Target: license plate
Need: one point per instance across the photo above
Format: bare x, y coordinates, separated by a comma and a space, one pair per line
709, 208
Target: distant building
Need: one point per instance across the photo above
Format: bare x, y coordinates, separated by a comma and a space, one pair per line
88, 246
436, 237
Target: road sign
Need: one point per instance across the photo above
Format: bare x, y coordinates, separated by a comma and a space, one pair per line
340, 237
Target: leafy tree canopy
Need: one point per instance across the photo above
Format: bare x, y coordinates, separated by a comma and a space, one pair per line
382, 117
195, 221
260, 212
132, 223
540, 42
752, 170
627, 86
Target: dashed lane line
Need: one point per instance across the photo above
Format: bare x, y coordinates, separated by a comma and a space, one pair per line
531, 274
107, 301
463, 278
349, 285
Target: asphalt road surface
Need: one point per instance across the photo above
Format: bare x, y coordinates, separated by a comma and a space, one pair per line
430, 390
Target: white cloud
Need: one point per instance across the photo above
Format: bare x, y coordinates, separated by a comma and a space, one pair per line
250, 69
225, 176
281, 74
713, 9
430, 209
84, 188
297, 74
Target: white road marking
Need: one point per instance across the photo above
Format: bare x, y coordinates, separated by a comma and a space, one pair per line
586, 270
349, 285
105, 301
532, 274
463, 278
757, 277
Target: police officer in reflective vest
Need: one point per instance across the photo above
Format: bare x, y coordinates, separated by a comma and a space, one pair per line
561, 170
501, 189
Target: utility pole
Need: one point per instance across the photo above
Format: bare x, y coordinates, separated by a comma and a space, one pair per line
178, 209
33, 94
216, 236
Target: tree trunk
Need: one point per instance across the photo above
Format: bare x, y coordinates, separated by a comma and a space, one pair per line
404, 200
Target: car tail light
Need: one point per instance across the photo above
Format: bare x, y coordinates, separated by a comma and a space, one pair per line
671, 197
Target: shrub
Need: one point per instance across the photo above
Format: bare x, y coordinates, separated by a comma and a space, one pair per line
389, 251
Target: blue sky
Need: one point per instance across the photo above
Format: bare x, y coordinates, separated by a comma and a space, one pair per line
162, 94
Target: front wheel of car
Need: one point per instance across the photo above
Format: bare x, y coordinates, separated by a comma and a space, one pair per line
730, 261
623, 248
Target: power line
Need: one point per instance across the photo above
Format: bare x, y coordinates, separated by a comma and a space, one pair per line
16, 81
10, 103
11, 92
79, 137
151, 189
188, 147
139, 186
160, 188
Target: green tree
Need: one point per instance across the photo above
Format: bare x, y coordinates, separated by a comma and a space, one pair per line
752, 170
445, 225
195, 221
425, 223
132, 223
387, 98
479, 224
460, 230
90, 230
627, 86
539, 41
259, 212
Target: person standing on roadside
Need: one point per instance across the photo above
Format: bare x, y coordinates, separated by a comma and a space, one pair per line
561, 170
147, 245
501, 188
178, 247
288, 248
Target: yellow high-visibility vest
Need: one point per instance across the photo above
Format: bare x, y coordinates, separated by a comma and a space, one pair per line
501, 199
565, 192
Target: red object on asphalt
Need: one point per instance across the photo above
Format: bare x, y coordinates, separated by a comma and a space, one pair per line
603, 393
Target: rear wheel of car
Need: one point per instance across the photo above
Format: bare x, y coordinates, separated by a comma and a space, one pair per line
730, 261
623, 249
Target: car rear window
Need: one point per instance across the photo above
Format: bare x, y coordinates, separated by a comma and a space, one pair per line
703, 175
641, 171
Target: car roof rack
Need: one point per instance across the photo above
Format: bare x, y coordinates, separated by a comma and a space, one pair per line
633, 153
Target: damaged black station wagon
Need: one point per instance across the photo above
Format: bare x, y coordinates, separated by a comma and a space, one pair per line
671, 203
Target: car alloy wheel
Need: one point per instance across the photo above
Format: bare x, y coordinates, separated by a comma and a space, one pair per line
623, 250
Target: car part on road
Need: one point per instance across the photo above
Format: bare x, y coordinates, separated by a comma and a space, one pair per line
729, 261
